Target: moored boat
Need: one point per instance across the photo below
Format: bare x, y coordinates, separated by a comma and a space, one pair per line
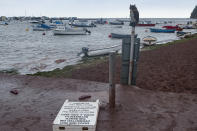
3, 23
177, 28
187, 26
118, 26
62, 30
145, 23
119, 36
37, 21
53, 25
182, 34
98, 52
41, 27
157, 30
116, 23
149, 40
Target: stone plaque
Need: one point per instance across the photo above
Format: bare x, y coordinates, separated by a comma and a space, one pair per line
77, 115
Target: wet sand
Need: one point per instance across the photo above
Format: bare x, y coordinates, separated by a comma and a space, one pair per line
39, 99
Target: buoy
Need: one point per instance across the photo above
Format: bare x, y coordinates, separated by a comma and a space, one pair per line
110, 36
43, 33
26, 29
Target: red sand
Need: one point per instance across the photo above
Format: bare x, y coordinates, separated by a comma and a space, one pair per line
39, 99
172, 68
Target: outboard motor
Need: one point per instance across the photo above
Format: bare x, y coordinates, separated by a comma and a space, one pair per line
93, 25
88, 31
85, 51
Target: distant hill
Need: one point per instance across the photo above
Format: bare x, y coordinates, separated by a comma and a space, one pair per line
194, 13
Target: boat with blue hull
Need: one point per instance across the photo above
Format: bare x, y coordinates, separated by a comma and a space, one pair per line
3, 23
41, 27
155, 30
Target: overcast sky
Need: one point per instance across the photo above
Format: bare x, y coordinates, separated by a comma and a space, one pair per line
97, 8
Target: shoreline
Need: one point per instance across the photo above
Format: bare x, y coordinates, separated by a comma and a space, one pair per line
167, 67
99, 59
160, 68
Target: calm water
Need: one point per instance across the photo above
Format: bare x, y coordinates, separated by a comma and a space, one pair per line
30, 51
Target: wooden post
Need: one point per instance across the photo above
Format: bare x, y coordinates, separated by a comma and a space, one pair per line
112, 65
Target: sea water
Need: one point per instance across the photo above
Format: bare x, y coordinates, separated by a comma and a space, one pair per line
29, 51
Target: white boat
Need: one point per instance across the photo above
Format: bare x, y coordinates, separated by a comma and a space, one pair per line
99, 52
3, 23
149, 40
36, 22
62, 30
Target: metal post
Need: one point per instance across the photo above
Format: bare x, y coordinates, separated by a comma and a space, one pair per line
134, 14
112, 65
125, 60
135, 61
131, 54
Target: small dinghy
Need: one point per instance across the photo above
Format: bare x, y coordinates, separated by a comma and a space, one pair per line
156, 30
3, 23
119, 36
149, 40
118, 26
116, 23
182, 34
99, 52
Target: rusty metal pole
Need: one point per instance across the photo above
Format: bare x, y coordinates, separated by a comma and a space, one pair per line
134, 14
131, 54
112, 65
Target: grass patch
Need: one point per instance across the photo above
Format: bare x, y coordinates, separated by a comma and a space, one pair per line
67, 71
